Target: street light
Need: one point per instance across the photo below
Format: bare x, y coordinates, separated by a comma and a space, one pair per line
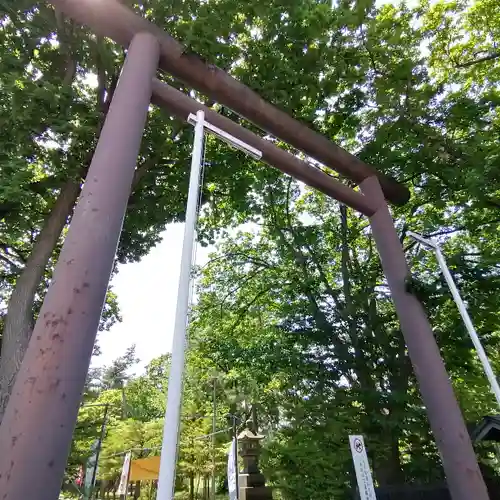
431, 243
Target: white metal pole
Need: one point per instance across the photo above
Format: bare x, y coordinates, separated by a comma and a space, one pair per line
166, 477
237, 465
468, 323
214, 430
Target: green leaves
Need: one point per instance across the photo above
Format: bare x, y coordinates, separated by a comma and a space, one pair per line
294, 315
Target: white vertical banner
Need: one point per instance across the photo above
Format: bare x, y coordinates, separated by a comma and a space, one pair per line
231, 472
122, 487
362, 468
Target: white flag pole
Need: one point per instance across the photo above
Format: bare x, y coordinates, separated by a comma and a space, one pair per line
166, 477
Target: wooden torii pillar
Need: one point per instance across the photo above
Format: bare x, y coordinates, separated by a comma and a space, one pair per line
36, 431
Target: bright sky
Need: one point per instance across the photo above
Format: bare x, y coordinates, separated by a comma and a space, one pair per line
147, 293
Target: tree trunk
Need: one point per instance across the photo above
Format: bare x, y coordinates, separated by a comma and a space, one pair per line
387, 464
255, 419
137, 490
19, 320
198, 479
18, 323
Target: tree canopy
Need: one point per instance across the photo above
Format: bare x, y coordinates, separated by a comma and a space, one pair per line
294, 325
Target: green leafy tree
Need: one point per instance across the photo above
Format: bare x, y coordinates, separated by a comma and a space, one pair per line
301, 306
294, 318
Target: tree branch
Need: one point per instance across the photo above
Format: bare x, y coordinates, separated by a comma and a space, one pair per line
249, 258
239, 286
462, 228
65, 44
244, 310
12, 264
489, 57
101, 76
373, 63
7, 249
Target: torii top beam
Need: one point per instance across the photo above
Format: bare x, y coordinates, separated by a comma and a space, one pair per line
175, 102
113, 20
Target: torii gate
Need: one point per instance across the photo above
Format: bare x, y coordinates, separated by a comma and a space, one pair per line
37, 428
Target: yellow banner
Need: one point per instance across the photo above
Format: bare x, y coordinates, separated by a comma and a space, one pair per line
145, 469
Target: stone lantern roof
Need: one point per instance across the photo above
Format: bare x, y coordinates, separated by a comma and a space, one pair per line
247, 434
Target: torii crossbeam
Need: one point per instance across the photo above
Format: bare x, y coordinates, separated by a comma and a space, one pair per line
37, 428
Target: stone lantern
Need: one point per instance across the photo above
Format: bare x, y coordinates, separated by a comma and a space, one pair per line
252, 484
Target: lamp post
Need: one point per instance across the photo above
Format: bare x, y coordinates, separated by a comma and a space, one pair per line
432, 244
